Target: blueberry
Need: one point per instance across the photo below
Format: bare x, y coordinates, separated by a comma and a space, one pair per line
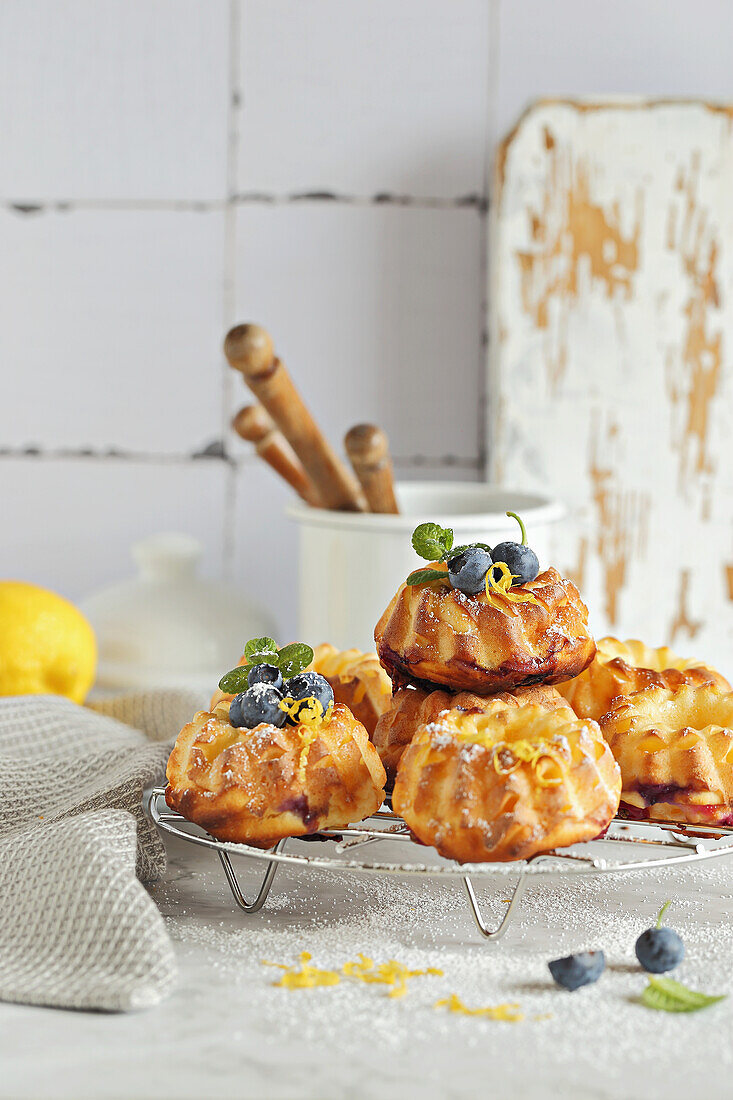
520, 560
260, 703
659, 949
310, 684
265, 674
576, 970
467, 570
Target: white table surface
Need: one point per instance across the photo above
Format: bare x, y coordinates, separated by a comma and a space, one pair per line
225, 1032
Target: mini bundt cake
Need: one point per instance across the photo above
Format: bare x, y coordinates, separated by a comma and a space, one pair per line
675, 751
257, 786
508, 785
621, 668
358, 680
413, 707
435, 634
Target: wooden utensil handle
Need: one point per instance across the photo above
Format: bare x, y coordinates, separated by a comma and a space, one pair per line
368, 450
254, 424
249, 350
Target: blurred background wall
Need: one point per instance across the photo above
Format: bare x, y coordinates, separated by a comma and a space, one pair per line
170, 167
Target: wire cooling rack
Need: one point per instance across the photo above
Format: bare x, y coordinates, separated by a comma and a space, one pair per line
627, 846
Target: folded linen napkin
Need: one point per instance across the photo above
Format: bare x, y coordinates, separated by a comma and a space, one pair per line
77, 928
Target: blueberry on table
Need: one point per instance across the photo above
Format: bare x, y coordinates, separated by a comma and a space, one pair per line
307, 685
467, 570
260, 703
265, 674
576, 970
659, 950
520, 560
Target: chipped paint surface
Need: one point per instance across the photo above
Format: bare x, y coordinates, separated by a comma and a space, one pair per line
612, 344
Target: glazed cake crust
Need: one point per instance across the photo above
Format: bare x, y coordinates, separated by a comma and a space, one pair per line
434, 635
622, 668
258, 786
413, 707
675, 751
508, 785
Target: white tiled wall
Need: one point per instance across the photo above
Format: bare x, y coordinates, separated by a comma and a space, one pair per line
170, 167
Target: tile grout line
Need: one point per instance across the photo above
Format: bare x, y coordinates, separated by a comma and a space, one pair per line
33, 208
229, 281
213, 455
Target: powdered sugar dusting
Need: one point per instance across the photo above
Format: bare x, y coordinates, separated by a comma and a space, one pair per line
593, 1041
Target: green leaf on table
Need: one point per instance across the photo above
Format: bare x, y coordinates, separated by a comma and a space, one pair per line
293, 658
431, 541
667, 995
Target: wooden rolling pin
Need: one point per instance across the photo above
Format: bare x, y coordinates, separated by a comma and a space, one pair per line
368, 450
256, 425
249, 349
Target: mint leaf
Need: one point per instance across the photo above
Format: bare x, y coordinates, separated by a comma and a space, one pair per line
431, 541
427, 576
293, 658
261, 651
235, 681
667, 995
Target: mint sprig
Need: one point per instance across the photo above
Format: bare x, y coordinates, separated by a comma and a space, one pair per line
291, 660
431, 541
667, 995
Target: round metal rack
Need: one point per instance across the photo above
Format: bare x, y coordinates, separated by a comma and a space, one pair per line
626, 846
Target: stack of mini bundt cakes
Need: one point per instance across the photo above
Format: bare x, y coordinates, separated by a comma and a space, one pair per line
489, 761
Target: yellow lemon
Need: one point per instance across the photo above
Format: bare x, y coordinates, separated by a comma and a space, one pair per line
47, 647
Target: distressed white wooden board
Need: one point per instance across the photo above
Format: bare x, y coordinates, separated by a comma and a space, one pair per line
612, 334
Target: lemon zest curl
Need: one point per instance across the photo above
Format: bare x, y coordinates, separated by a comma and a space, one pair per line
503, 587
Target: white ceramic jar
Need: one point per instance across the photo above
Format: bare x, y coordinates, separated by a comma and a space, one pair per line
351, 564
168, 627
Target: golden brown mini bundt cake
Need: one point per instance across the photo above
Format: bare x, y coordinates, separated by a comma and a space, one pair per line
358, 681
257, 786
433, 634
413, 707
508, 785
675, 750
621, 668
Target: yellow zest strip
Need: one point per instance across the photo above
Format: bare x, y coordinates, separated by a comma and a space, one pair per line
308, 713
524, 752
508, 1012
508, 755
305, 976
391, 973
503, 587
308, 736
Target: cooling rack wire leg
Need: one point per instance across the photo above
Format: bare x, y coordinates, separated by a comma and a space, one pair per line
498, 932
256, 905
